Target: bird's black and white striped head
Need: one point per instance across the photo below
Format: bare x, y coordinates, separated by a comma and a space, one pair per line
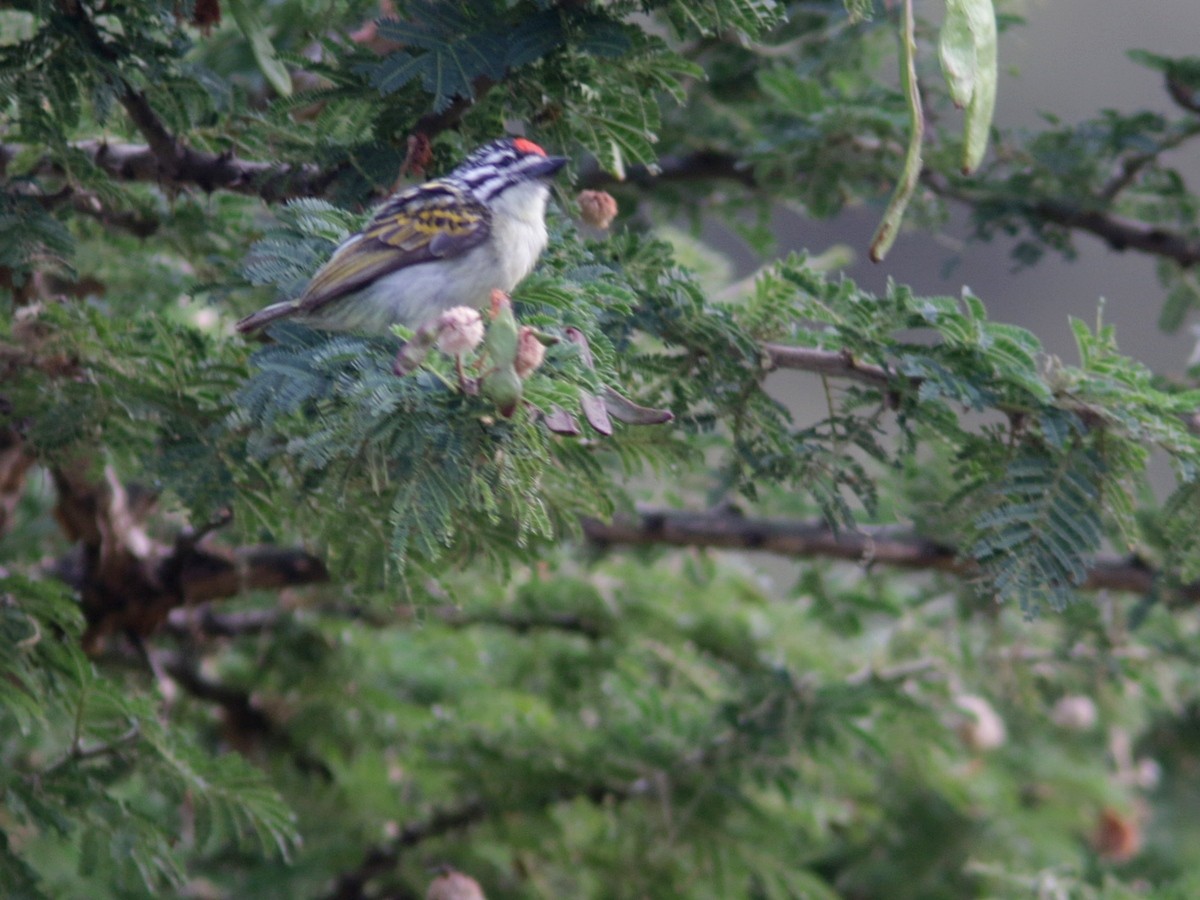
506, 163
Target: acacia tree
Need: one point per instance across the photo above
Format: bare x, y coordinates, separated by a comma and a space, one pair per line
278, 622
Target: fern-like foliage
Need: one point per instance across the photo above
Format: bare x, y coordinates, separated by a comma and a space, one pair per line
31, 238
722, 16
457, 49
416, 468
412, 466
1059, 469
73, 732
449, 46
1174, 530
1043, 520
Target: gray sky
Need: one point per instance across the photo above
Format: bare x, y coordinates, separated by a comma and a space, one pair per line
1069, 60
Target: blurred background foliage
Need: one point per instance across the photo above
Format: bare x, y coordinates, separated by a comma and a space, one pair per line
900, 604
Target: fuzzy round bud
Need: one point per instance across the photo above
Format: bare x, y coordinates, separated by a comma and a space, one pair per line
1118, 836
597, 208
982, 728
454, 886
460, 330
530, 352
1075, 713
1147, 774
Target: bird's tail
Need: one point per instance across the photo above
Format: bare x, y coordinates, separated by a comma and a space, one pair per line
266, 316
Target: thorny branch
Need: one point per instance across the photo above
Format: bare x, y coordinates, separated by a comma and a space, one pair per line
130, 582
247, 724
869, 545
189, 621
1118, 232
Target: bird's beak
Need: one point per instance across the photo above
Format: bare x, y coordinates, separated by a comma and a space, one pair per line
549, 167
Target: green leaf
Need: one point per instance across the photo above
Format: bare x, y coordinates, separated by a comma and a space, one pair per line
533, 37
265, 56
458, 50
750, 18
967, 47
1183, 296
957, 52
889, 226
1041, 525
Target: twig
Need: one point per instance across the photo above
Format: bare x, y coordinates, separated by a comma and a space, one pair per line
1121, 233
188, 621
434, 123
568, 622
701, 165
382, 859
15, 462
130, 582
837, 363
1118, 232
1133, 164
273, 182
882, 545
78, 753
246, 721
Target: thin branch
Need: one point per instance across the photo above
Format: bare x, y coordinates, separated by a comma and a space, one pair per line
1118, 232
842, 364
166, 159
204, 619
169, 159
246, 722
129, 582
273, 182
138, 224
85, 203
1133, 164
870, 545
15, 462
700, 165
169, 152
434, 123
523, 624
79, 753
1121, 233
836, 363
383, 859
1183, 92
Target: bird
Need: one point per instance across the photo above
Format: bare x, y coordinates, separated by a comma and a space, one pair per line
433, 246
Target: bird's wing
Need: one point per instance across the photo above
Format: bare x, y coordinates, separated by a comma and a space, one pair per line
435, 220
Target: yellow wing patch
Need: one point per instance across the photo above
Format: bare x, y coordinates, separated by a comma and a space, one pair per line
435, 211
432, 221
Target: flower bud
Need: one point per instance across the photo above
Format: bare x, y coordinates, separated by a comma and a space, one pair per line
452, 885
1147, 774
530, 352
1118, 836
460, 330
597, 208
982, 728
1075, 713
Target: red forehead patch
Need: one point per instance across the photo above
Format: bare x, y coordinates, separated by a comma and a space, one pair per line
524, 145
